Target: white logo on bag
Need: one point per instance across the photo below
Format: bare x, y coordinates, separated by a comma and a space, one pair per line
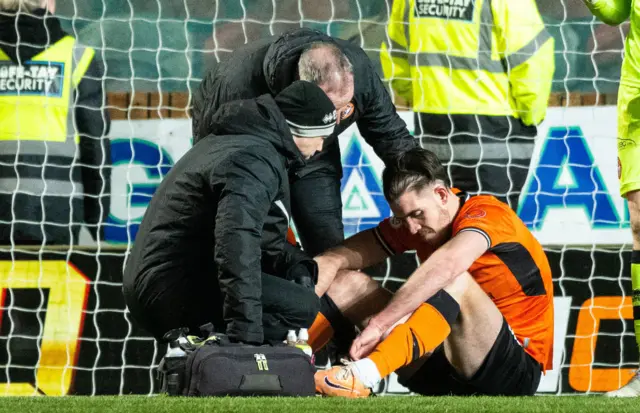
261, 360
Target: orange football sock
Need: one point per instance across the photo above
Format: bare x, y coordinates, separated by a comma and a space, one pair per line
320, 332
425, 330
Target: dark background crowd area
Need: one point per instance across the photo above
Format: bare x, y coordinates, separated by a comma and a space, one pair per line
167, 46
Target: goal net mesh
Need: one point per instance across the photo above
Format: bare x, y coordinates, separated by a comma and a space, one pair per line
64, 327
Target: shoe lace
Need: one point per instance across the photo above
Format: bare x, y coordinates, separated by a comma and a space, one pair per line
345, 372
346, 361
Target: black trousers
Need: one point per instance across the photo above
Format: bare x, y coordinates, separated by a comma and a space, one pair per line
165, 306
316, 202
505, 182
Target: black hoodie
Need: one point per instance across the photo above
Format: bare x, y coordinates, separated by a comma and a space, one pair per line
270, 65
221, 214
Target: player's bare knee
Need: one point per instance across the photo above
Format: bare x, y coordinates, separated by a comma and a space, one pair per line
358, 296
466, 291
476, 307
347, 281
348, 286
475, 329
459, 286
458, 290
449, 300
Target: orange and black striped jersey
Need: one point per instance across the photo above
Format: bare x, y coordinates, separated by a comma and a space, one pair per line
514, 271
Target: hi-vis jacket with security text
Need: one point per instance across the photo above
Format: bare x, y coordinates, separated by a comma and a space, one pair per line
54, 156
470, 57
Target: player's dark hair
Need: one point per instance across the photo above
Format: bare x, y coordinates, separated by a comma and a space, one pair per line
321, 71
412, 170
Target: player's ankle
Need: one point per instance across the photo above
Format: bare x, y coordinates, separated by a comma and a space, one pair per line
367, 372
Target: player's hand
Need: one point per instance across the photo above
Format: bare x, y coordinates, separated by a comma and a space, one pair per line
366, 342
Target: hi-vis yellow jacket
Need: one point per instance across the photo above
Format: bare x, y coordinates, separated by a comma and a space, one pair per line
36, 97
480, 57
54, 158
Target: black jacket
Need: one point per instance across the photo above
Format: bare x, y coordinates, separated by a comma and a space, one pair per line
270, 65
222, 211
92, 168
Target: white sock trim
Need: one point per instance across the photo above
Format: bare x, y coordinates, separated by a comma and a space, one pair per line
367, 371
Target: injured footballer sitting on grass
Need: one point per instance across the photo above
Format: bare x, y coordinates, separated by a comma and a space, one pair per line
476, 317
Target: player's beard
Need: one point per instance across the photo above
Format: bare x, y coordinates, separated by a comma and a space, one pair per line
443, 228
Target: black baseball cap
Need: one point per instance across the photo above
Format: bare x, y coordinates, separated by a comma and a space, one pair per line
307, 109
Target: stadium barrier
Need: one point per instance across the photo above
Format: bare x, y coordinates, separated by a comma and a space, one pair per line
175, 105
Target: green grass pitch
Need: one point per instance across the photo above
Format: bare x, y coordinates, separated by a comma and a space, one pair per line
389, 404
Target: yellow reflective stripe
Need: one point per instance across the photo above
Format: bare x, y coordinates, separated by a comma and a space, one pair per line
42, 186
3, 55
484, 150
82, 66
399, 51
482, 62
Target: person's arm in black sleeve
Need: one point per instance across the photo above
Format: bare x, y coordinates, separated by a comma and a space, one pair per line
280, 257
291, 263
299, 267
93, 123
380, 125
251, 184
